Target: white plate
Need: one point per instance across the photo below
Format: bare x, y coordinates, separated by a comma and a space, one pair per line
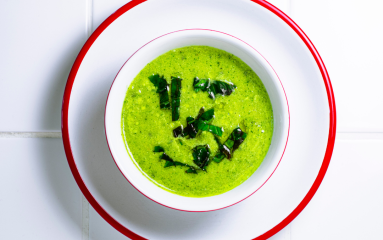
279, 40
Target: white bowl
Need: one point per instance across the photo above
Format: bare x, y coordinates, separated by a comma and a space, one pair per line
182, 38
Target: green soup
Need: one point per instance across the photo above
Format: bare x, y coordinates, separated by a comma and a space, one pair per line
145, 125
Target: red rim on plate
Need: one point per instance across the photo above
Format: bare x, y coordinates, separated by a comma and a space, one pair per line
106, 215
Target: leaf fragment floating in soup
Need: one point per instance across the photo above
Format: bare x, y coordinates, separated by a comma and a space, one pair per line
235, 139
170, 162
200, 123
162, 89
201, 156
175, 91
213, 87
158, 149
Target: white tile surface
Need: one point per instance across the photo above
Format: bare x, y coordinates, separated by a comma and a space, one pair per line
349, 203
100, 229
39, 42
348, 35
39, 198
103, 9
283, 5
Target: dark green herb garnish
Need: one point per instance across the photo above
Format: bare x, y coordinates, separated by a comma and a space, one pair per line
201, 156
207, 116
232, 143
210, 128
175, 91
170, 162
162, 89
200, 123
158, 149
191, 170
213, 87
200, 84
191, 129
178, 131
219, 156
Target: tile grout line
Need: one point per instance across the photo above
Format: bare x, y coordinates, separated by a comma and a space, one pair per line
30, 135
85, 218
290, 8
85, 203
89, 17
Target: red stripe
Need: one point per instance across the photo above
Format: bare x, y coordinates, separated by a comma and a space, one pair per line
76, 66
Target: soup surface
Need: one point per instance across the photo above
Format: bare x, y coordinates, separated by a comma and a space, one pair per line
145, 125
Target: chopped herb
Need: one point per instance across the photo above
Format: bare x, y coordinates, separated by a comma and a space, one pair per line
210, 128
200, 84
201, 156
220, 145
219, 157
191, 129
158, 149
232, 143
170, 162
191, 170
207, 116
178, 131
213, 87
164, 156
162, 89
200, 123
176, 97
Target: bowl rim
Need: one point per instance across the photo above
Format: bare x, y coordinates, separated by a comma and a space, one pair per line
285, 141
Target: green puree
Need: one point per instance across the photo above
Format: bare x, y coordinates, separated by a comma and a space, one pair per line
145, 125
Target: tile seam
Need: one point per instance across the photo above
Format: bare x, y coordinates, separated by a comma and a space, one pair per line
30, 135
85, 218
85, 203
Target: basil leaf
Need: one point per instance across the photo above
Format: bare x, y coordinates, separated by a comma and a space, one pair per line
208, 115
201, 156
176, 97
191, 170
235, 139
178, 131
213, 87
164, 100
201, 125
215, 130
227, 151
212, 91
170, 162
220, 146
224, 88
158, 149
200, 84
164, 156
155, 79
219, 157
162, 89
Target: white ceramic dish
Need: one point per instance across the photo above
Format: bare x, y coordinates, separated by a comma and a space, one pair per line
311, 105
159, 46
